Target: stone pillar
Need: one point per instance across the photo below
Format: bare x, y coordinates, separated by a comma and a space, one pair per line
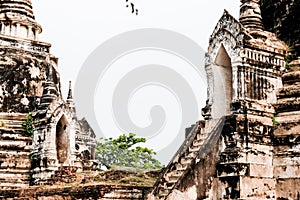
36, 34
2, 28
29, 33
7, 29
18, 30
13, 31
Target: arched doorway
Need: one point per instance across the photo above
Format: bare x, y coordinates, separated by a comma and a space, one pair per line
222, 96
62, 140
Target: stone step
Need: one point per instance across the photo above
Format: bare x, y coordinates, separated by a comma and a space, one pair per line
163, 193
175, 173
197, 143
19, 169
16, 170
26, 149
16, 149
167, 186
13, 177
201, 136
180, 166
13, 116
170, 187
15, 157
12, 129
13, 154
12, 164
191, 155
16, 125
185, 161
194, 148
11, 124
13, 143
12, 121
173, 179
16, 137
8, 185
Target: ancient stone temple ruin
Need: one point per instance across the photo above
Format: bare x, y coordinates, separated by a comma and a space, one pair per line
39, 131
247, 146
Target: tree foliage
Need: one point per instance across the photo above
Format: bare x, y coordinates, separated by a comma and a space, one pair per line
124, 151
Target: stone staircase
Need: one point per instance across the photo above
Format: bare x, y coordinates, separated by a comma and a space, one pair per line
15, 149
198, 143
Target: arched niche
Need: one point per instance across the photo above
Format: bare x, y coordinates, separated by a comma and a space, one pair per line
222, 76
62, 140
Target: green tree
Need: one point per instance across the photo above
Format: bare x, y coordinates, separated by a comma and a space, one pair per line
124, 151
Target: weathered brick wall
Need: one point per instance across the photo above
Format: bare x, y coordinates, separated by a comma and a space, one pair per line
283, 18
92, 192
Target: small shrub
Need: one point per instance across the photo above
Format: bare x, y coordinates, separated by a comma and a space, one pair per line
2, 124
28, 124
274, 120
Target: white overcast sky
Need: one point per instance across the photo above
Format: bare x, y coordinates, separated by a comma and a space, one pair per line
75, 28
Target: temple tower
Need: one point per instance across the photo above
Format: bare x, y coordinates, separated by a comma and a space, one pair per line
244, 148
21, 87
252, 57
246, 169
260, 158
38, 127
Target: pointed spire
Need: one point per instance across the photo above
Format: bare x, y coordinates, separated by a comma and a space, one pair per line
70, 93
250, 14
17, 19
70, 100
